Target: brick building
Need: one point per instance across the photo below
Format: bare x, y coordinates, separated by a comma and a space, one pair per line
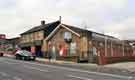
65, 42
2, 42
12, 44
71, 43
32, 40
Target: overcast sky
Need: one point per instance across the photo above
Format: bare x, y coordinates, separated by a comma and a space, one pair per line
113, 17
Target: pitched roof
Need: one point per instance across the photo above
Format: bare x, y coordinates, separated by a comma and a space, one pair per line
46, 27
57, 28
77, 31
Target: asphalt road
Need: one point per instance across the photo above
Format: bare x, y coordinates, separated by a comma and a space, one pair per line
11, 69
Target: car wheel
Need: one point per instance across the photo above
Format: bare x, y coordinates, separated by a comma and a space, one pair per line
17, 57
22, 58
26, 58
34, 59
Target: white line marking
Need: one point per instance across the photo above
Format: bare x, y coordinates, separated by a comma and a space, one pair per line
17, 78
9, 62
4, 74
34, 68
77, 77
131, 78
78, 70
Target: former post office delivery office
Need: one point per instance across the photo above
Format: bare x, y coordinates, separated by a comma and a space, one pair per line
65, 42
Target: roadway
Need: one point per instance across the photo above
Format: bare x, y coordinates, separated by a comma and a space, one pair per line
11, 69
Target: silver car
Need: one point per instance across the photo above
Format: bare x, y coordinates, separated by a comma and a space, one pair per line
24, 55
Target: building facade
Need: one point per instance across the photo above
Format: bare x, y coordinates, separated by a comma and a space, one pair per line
32, 40
12, 45
2, 43
65, 42
71, 43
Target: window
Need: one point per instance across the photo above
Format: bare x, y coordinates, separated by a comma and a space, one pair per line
31, 37
40, 35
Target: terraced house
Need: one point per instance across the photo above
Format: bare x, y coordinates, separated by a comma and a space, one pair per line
32, 40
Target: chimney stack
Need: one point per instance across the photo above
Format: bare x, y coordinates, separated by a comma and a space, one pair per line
42, 22
60, 18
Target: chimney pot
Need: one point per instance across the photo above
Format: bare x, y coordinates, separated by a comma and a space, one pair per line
60, 18
42, 22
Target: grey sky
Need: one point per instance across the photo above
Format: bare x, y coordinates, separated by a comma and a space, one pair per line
113, 17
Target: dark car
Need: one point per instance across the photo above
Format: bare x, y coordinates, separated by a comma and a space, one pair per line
24, 55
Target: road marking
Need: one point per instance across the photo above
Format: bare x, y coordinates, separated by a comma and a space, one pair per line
131, 78
77, 77
9, 62
17, 78
78, 70
4, 74
34, 68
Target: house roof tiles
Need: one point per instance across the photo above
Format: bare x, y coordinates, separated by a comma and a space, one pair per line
46, 27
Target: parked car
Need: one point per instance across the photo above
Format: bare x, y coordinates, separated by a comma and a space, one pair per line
24, 55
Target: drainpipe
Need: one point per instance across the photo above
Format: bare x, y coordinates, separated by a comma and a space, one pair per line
105, 46
123, 48
111, 48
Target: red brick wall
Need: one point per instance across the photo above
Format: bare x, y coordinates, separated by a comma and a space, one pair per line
114, 53
58, 39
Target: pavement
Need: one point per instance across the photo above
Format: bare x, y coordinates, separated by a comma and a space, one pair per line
54, 61
129, 66
123, 68
11, 69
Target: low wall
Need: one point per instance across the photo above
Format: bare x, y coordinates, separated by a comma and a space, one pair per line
108, 60
119, 59
68, 58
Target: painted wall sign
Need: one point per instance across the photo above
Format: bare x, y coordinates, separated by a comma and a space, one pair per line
94, 35
67, 35
97, 35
